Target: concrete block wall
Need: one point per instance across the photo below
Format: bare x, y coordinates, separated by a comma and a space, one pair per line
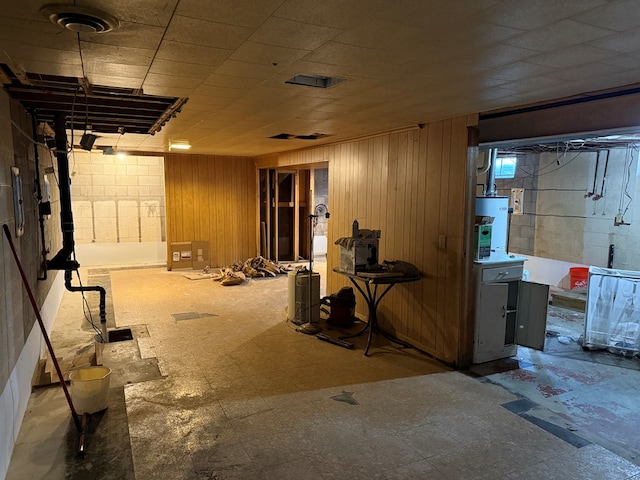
562, 221
118, 208
21, 343
117, 199
521, 234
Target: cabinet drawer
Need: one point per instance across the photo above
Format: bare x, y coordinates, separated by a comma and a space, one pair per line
502, 273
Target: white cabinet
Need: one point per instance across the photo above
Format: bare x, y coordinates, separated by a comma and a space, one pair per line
508, 311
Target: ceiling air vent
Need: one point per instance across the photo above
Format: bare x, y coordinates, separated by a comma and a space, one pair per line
80, 19
316, 81
313, 136
282, 136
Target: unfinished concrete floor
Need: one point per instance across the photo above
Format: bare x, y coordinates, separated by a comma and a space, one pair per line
218, 385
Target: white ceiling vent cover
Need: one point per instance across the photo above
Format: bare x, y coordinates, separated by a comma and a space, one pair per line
80, 19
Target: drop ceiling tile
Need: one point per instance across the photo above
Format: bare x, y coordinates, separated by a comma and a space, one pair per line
146, 12
530, 84
159, 80
167, 91
220, 92
128, 35
517, 70
571, 56
627, 60
49, 68
493, 56
37, 33
247, 70
260, 53
117, 69
188, 53
17, 53
562, 34
208, 34
619, 15
431, 14
218, 80
333, 13
590, 70
625, 42
114, 81
246, 13
287, 33
94, 52
181, 69
533, 14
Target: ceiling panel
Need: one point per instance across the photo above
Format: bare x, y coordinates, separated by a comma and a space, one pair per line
402, 63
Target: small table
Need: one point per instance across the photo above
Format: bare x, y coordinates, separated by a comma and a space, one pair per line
373, 299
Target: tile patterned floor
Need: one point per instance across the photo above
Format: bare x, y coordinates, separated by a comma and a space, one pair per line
242, 395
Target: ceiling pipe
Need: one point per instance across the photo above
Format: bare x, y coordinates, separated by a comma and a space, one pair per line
486, 163
490, 181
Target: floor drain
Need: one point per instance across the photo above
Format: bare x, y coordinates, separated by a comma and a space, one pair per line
120, 335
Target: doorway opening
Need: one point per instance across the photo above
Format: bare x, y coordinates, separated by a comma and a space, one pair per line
287, 198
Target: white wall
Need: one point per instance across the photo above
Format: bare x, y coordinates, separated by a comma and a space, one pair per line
574, 225
148, 253
15, 396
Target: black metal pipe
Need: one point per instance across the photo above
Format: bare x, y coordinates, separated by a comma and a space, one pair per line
62, 259
83, 288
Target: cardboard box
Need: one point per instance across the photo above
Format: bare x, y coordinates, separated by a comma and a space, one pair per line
482, 242
361, 256
180, 255
200, 255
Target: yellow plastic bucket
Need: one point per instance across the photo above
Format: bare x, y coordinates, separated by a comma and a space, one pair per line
90, 389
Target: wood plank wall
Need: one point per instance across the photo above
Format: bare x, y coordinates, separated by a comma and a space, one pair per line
213, 198
412, 185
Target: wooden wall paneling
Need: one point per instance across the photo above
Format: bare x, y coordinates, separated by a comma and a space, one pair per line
431, 220
442, 229
188, 214
417, 320
202, 213
455, 259
414, 289
401, 224
213, 228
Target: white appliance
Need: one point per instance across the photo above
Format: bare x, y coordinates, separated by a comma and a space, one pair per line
497, 207
298, 297
612, 317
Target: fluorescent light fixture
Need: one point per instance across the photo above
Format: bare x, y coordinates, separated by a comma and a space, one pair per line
179, 146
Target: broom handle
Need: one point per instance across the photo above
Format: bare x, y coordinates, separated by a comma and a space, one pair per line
74, 414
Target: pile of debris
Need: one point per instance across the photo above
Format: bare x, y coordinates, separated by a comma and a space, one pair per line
253, 267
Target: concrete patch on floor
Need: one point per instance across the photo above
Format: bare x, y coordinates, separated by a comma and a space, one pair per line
191, 316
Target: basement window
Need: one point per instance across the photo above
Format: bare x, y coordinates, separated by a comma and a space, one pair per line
505, 167
316, 81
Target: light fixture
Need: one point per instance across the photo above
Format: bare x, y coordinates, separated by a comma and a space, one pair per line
179, 146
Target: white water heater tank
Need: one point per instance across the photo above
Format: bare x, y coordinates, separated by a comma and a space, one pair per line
298, 293
497, 207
